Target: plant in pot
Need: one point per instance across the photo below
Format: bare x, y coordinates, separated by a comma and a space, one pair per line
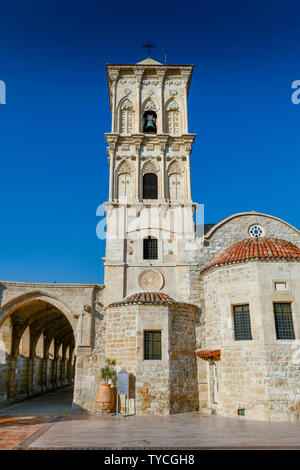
105, 396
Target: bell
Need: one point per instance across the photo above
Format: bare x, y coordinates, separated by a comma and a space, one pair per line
150, 125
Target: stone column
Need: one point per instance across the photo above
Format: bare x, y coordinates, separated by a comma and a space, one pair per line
12, 378
30, 371
138, 169
185, 76
188, 170
138, 74
44, 373
160, 128
113, 76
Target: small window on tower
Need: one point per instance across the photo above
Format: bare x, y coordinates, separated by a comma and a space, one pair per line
150, 186
150, 248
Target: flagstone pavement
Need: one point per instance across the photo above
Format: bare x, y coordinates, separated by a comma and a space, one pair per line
48, 422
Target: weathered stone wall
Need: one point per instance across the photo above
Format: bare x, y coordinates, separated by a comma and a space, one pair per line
183, 365
256, 375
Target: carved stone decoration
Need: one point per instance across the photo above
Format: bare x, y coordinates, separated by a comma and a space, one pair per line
127, 105
150, 105
149, 167
174, 167
150, 279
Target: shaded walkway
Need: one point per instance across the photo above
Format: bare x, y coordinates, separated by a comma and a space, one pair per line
52, 403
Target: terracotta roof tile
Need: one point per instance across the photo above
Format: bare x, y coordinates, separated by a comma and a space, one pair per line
152, 298
258, 248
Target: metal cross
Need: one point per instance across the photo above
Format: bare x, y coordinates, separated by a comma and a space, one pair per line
149, 47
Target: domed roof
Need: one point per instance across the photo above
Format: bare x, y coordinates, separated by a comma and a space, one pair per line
257, 248
153, 298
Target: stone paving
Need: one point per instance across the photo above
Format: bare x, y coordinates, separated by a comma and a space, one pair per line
61, 428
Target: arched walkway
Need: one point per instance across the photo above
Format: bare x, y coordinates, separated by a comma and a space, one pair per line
36, 348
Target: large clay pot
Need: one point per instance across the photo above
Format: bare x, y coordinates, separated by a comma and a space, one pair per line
105, 398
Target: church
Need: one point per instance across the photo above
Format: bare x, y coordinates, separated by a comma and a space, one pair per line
205, 318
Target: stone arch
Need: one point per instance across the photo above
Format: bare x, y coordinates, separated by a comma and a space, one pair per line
149, 105
149, 167
15, 303
126, 116
256, 219
36, 318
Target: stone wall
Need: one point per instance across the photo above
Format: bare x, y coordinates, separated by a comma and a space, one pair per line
256, 375
183, 365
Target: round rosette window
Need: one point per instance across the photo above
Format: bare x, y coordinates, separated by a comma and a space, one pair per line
256, 231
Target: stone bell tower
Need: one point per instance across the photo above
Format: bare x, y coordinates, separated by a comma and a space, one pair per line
150, 213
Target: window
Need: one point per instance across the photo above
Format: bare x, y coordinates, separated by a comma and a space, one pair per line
242, 325
150, 248
152, 345
283, 321
281, 286
150, 186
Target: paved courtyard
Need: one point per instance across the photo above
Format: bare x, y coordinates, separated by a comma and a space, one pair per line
48, 422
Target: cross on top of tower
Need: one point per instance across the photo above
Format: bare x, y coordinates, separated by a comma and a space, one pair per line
149, 47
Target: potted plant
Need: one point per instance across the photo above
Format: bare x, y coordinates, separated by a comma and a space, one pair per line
105, 397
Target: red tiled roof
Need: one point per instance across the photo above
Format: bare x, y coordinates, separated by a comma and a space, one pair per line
154, 298
209, 353
257, 248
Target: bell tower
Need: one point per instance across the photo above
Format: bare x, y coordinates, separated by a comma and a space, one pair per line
150, 213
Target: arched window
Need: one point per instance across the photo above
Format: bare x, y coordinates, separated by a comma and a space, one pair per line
150, 248
149, 122
126, 117
150, 186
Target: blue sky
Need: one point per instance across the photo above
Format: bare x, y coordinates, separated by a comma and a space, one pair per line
54, 170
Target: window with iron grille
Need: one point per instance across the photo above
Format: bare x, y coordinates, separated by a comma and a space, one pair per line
242, 324
284, 321
150, 248
152, 345
150, 186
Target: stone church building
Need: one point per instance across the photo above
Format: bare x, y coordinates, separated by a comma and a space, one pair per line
204, 318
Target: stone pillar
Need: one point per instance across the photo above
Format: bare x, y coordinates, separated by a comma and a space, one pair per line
12, 378
113, 76
160, 127
84, 336
188, 171
44, 374
185, 76
30, 371
111, 153
138, 74
49, 383
138, 144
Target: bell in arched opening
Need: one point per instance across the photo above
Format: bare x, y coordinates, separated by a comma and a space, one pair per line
149, 122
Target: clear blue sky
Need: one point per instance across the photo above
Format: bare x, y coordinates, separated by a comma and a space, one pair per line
54, 170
